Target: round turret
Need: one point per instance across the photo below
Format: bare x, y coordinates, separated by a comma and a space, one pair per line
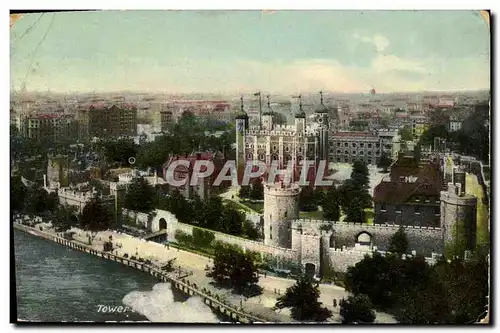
458, 216
281, 207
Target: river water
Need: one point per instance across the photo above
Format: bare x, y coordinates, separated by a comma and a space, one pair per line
55, 283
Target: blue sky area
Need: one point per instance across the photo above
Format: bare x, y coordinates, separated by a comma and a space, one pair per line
234, 51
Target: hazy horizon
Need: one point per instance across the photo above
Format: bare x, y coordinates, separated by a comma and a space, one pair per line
235, 52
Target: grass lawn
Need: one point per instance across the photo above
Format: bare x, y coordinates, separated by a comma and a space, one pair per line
256, 206
315, 215
369, 215
237, 206
473, 187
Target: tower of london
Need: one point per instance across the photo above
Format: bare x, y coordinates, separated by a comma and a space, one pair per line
269, 142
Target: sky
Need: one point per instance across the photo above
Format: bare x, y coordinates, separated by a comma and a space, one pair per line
281, 52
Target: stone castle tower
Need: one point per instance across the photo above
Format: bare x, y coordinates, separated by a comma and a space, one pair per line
323, 123
118, 191
458, 216
57, 171
280, 209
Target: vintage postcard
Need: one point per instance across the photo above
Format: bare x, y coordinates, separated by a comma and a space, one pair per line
209, 166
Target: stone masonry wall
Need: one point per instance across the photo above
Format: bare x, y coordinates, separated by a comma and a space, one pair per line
173, 225
421, 239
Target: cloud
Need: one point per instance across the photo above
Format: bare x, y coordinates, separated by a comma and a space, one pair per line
386, 73
384, 63
380, 42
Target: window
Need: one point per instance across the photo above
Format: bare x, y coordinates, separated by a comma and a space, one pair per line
287, 149
417, 210
361, 153
270, 232
354, 152
300, 149
398, 209
331, 144
338, 144
338, 151
275, 148
377, 145
437, 210
377, 152
361, 144
354, 145
346, 144
369, 153
286, 213
383, 207
249, 156
346, 152
369, 145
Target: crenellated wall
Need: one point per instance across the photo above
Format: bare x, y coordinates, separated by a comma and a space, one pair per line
424, 240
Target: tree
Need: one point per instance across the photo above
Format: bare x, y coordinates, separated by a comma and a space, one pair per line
39, 201
423, 306
436, 131
331, 205
245, 191
250, 231
357, 309
466, 287
385, 161
302, 298
307, 199
398, 243
406, 133
140, 196
203, 238
65, 218
95, 216
355, 211
231, 221
360, 174
233, 268
446, 293
257, 192
118, 151
372, 276
155, 154
17, 193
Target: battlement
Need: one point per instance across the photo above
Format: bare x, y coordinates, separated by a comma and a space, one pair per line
68, 193
334, 225
281, 189
287, 132
354, 252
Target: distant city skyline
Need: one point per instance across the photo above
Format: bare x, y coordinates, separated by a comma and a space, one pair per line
229, 52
